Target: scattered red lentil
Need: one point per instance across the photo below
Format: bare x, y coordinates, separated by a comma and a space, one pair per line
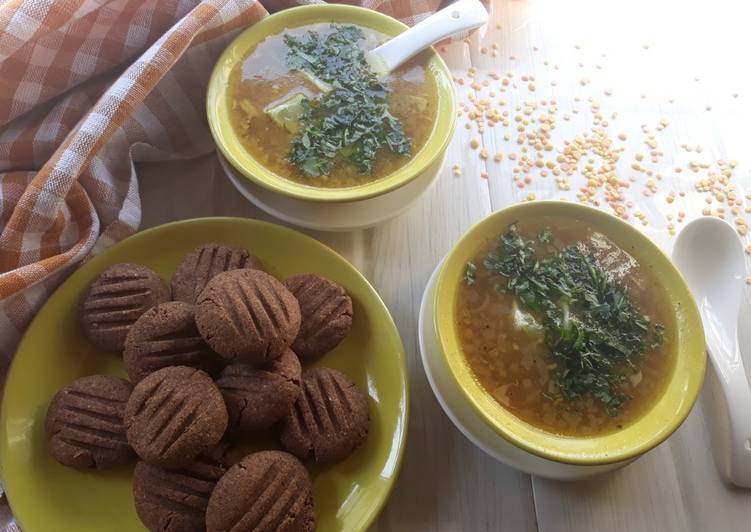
589, 157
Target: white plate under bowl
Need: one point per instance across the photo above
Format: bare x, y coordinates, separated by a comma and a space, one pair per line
472, 425
346, 216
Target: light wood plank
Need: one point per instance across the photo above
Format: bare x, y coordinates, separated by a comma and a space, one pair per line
641, 497
192, 189
445, 483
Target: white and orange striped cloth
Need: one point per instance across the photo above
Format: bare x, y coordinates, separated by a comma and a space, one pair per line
87, 89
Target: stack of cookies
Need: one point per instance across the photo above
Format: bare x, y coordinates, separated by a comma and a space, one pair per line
213, 360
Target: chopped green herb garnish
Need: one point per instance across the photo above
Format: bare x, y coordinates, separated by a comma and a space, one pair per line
353, 120
545, 236
659, 335
470, 273
594, 333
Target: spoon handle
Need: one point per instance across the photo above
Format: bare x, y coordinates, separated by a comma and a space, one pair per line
728, 364
460, 16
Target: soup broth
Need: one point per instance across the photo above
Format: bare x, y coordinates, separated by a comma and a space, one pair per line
507, 346
263, 80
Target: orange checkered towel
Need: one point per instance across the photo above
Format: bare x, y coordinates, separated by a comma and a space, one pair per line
87, 89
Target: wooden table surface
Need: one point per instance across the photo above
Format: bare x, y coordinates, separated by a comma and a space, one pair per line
681, 64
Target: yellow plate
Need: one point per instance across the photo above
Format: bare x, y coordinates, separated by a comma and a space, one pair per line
47, 497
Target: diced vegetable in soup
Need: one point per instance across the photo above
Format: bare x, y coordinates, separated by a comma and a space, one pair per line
565, 329
307, 106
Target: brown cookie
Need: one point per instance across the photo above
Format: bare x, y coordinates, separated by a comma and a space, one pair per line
203, 263
256, 398
329, 419
175, 500
326, 315
166, 335
269, 490
115, 300
85, 422
173, 415
247, 316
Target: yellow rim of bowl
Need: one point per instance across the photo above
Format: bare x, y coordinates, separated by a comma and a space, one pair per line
230, 146
639, 436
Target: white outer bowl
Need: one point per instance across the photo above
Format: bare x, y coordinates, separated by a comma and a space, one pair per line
344, 216
475, 428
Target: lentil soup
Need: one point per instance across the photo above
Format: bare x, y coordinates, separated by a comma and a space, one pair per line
564, 329
266, 90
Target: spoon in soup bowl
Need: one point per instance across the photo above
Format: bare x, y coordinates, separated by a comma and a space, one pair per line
458, 17
710, 255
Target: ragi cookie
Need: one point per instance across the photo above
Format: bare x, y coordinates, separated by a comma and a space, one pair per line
175, 500
326, 315
247, 316
329, 419
203, 263
256, 398
166, 335
85, 423
268, 490
116, 299
173, 415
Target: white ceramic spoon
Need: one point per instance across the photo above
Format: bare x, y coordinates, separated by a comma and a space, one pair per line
710, 255
460, 16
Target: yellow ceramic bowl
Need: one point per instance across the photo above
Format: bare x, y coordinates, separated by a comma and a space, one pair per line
217, 105
48, 497
644, 433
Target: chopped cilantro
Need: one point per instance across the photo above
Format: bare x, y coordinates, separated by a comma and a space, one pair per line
545, 236
594, 333
352, 121
470, 273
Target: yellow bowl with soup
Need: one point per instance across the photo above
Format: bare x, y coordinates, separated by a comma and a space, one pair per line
292, 107
569, 335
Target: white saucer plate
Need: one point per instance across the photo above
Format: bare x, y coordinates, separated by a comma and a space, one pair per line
345, 216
